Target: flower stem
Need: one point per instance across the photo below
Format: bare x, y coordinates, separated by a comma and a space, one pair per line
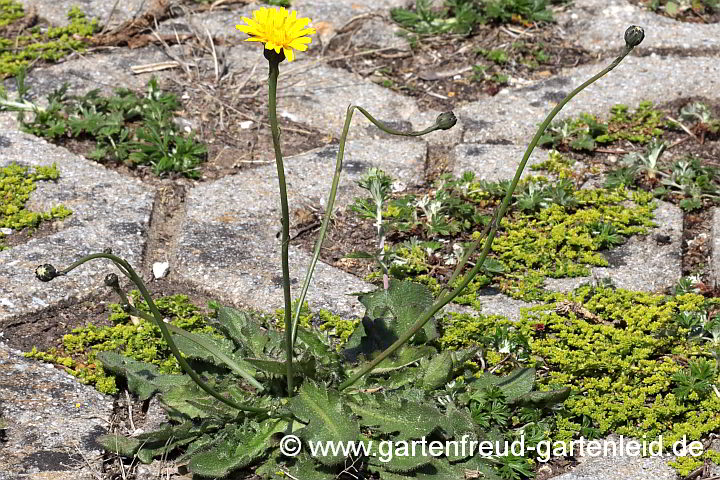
284, 211
494, 225
438, 125
128, 271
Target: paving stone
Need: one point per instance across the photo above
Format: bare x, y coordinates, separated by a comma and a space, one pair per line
228, 244
493, 162
53, 421
620, 467
109, 210
513, 115
494, 303
715, 258
642, 263
594, 23
321, 94
103, 71
106, 11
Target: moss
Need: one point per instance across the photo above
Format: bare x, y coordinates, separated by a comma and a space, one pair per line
557, 240
337, 327
16, 185
620, 364
51, 44
140, 340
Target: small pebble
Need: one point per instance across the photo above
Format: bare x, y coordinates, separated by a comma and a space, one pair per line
160, 269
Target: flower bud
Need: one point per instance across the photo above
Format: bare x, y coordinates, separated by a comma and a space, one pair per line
108, 251
634, 35
111, 280
446, 120
46, 272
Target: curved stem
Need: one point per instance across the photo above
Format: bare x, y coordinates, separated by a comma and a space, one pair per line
333, 193
284, 211
494, 225
127, 270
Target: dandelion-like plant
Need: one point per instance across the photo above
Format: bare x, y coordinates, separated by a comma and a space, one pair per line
280, 30
229, 416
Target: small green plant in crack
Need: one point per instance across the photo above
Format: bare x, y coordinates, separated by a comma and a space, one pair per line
37, 43
125, 127
689, 181
586, 132
682, 8
556, 230
461, 16
17, 182
704, 123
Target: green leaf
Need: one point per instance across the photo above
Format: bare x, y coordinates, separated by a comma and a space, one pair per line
405, 356
401, 464
304, 366
398, 308
543, 399
407, 419
458, 423
438, 371
516, 384
235, 453
327, 419
213, 350
242, 329
123, 446
142, 378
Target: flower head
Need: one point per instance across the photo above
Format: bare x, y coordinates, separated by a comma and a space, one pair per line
279, 30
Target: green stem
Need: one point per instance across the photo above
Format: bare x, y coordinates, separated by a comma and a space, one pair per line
494, 225
333, 193
127, 270
284, 211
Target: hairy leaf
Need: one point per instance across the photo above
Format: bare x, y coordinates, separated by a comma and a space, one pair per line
407, 419
327, 419
438, 371
235, 453
395, 310
543, 399
242, 329
213, 350
142, 378
400, 463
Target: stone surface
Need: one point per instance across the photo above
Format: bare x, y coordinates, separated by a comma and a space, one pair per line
321, 95
513, 115
493, 162
228, 242
715, 248
109, 210
620, 467
599, 25
642, 263
52, 421
103, 71
107, 12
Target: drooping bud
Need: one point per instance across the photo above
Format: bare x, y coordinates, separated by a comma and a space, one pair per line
634, 35
111, 280
446, 120
45, 272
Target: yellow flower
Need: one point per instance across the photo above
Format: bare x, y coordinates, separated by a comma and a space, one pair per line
279, 30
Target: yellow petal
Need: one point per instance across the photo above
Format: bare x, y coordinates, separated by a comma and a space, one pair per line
289, 54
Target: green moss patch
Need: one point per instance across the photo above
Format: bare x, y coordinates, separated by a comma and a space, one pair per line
554, 230
18, 51
588, 132
632, 360
16, 185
